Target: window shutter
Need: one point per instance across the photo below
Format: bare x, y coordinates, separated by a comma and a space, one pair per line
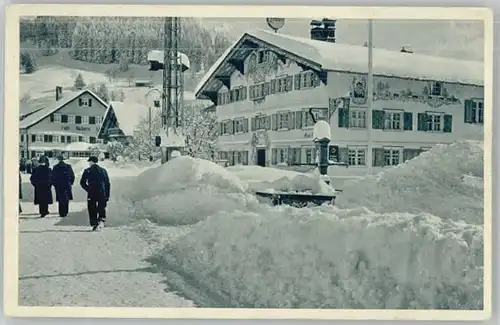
378, 157
268, 122
244, 93
64, 118
52, 117
343, 155
298, 120
90, 102
316, 81
291, 120
245, 125
221, 128
266, 88
273, 86
63, 139
274, 154
45, 138
343, 117
232, 129
33, 138
51, 138
289, 83
422, 122
297, 81
80, 102
447, 123
274, 125
78, 119
378, 119
468, 112
252, 125
408, 121
91, 119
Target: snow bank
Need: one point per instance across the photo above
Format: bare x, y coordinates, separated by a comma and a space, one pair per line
259, 174
183, 191
328, 258
117, 169
304, 183
432, 182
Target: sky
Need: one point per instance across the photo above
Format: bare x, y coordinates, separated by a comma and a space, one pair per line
447, 38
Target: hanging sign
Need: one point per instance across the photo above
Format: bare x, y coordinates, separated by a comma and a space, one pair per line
275, 23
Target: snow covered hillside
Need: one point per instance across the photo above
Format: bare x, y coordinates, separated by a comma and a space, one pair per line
410, 237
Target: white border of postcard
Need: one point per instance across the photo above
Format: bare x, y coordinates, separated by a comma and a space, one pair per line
11, 247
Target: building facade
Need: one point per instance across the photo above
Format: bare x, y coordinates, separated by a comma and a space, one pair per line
53, 128
270, 87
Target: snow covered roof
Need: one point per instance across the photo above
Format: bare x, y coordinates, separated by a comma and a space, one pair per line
36, 104
128, 115
57, 105
156, 55
77, 146
352, 58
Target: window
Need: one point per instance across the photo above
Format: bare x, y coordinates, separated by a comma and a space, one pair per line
226, 127
476, 111
434, 122
319, 114
283, 121
74, 138
282, 157
71, 119
357, 156
68, 139
436, 88
92, 140
281, 85
39, 138
98, 120
294, 155
57, 118
92, 119
261, 123
239, 126
391, 157
357, 119
81, 139
258, 91
78, 119
85, 120
64, 118
393, 120
56, 139
262, 56
87, 102
310, 155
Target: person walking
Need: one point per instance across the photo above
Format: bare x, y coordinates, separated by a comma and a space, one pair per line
63, 178
95, 182
41, 181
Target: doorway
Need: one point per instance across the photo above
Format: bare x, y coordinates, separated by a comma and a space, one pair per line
261, 157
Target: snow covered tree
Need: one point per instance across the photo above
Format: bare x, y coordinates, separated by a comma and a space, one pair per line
94, 150
79, 82
117, 95
200, 129
100, 90
115, 149
141, 144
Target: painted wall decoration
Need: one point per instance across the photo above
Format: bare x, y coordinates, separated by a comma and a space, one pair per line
358, 90
271, 64
260, 139
433, 94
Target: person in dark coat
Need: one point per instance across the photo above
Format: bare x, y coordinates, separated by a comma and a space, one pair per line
20, 193
95, 182
28, 166
41, 181
63, 178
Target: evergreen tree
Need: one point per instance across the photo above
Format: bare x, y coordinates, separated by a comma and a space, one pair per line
28, 61
79, 82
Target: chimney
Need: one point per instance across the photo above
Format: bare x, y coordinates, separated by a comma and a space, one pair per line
58, 92
323, 30
406, 49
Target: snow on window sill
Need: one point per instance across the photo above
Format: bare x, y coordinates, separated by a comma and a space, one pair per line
283, 129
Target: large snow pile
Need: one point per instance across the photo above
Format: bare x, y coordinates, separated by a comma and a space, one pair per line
304, 183
185, 190
328, 258
432, 182
115, 169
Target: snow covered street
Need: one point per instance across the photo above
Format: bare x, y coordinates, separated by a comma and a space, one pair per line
57, 267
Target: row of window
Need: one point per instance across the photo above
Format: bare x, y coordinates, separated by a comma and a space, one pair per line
49, 138
282, 84
354, 156
279, 121
76, 119
50, 154
396, 120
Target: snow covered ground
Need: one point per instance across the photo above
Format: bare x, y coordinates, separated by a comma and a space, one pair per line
409, 237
